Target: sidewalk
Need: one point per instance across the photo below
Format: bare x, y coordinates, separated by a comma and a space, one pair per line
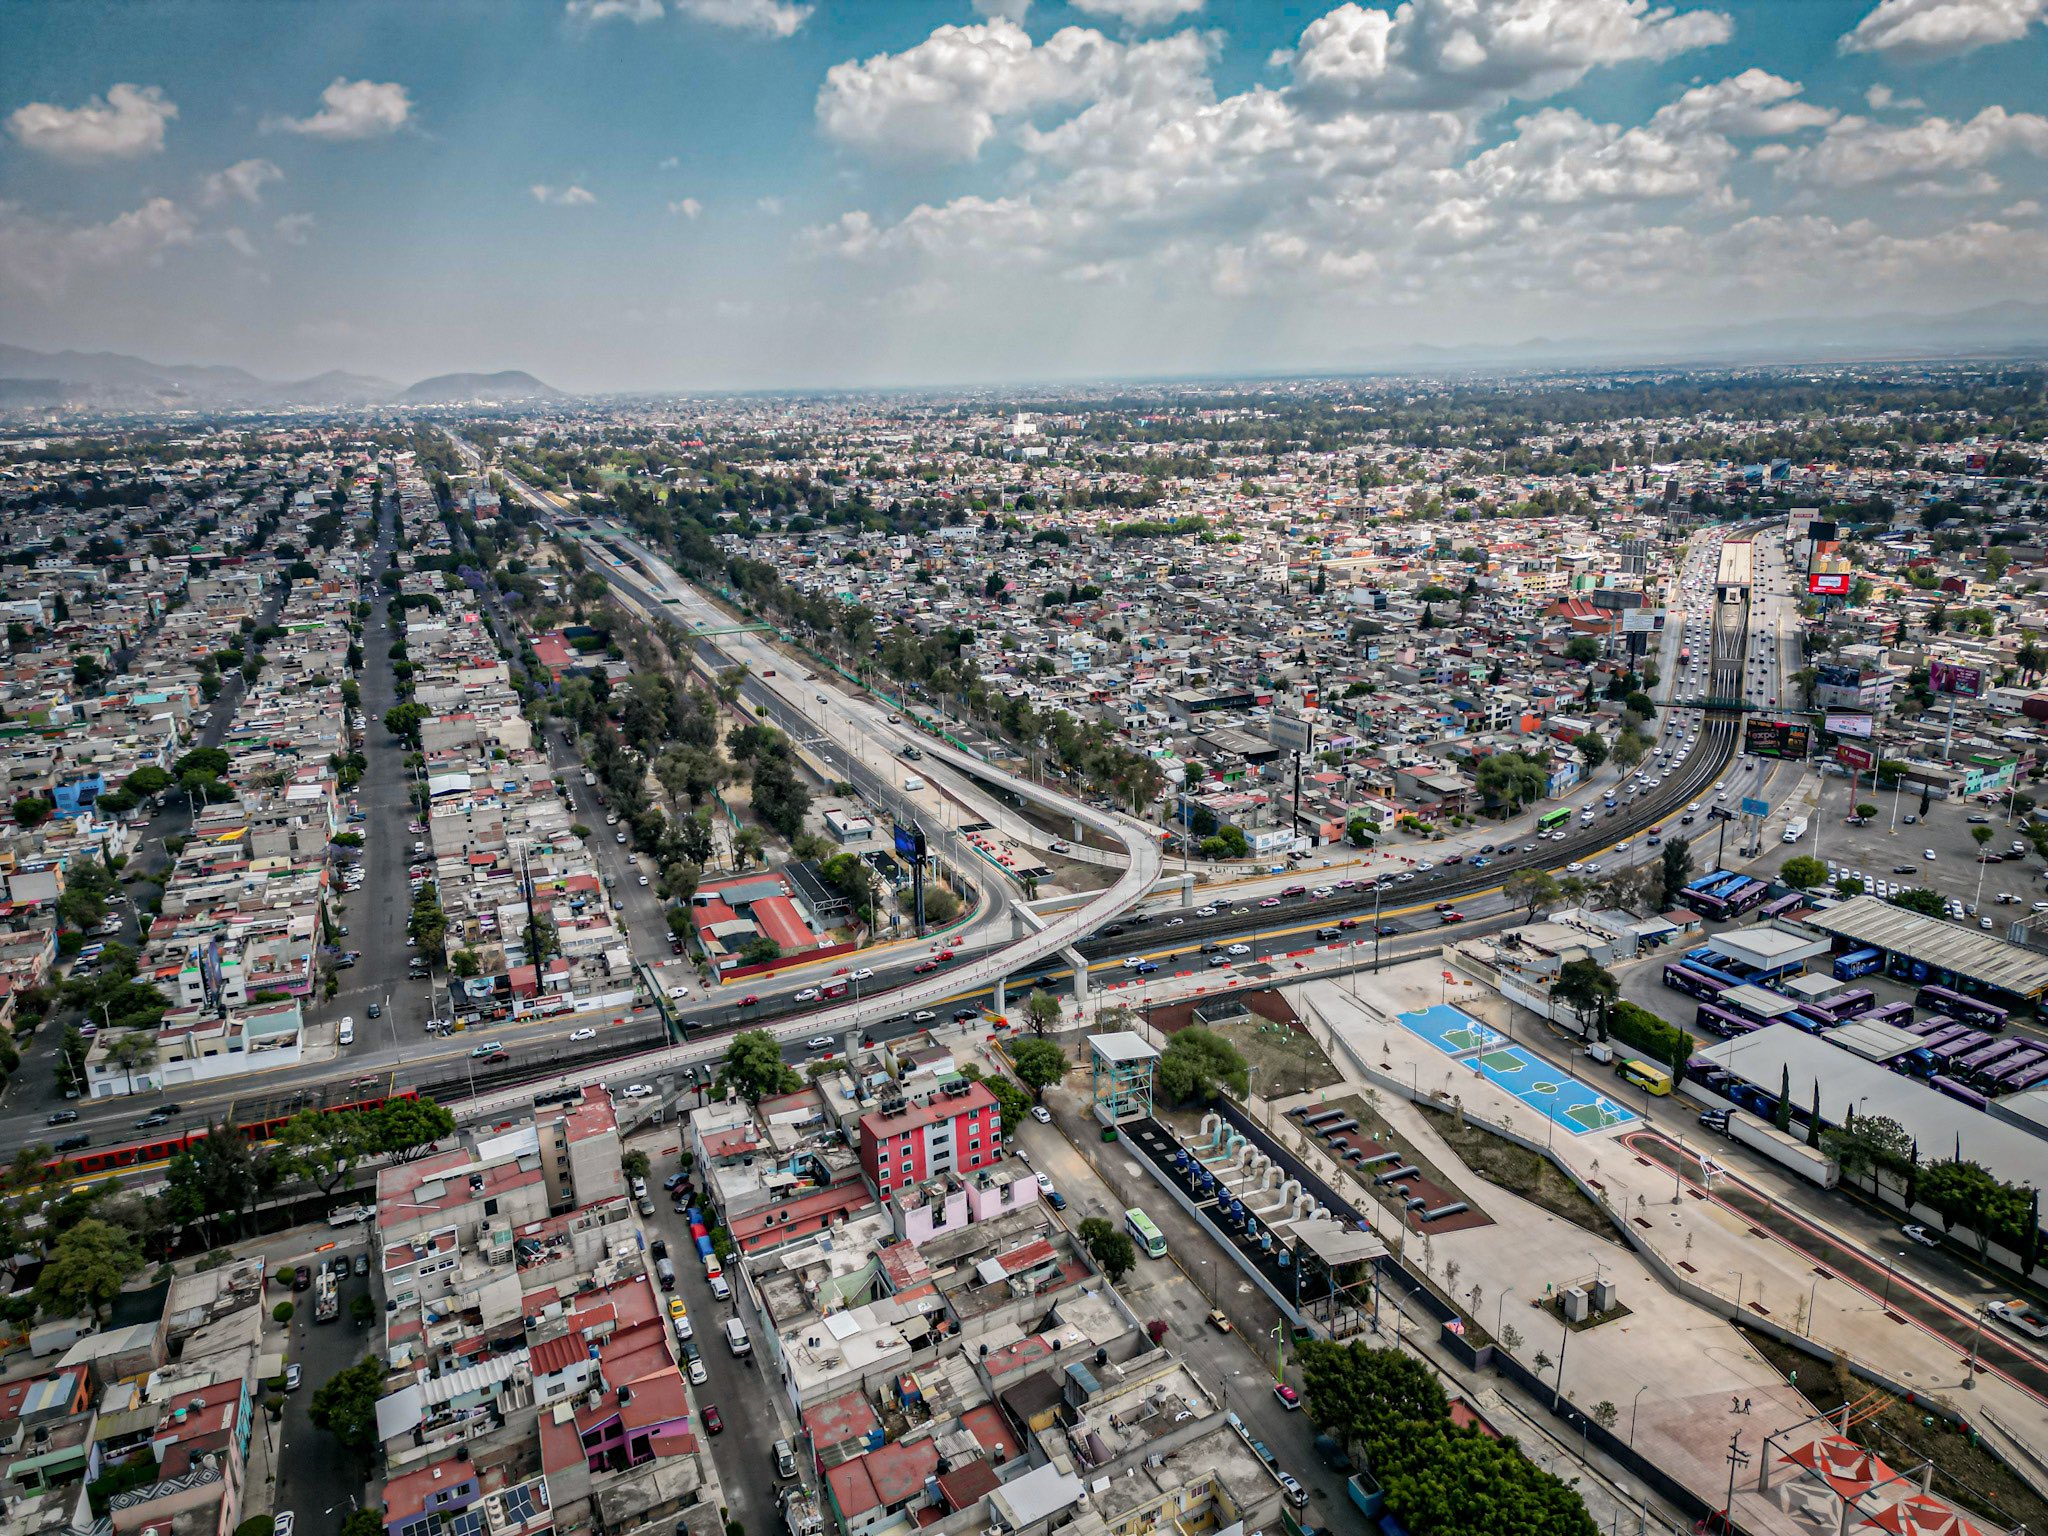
1672, 1364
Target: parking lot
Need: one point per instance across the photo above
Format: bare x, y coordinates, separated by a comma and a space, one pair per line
1881, 851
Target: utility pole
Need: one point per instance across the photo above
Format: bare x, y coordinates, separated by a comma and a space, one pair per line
1738, 1458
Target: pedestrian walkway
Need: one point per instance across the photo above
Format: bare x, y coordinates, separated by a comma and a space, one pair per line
1672, 1363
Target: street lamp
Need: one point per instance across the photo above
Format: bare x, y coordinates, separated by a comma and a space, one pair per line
1889, 1265
1635, 1403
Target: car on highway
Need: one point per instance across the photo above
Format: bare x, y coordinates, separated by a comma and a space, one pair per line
923, 1016
748, 1001
585, 1033
638, 1091
488, 1048
62, 1117
1927, 854
1205, 911
864, 974
807, 995
1239, 949
1132, 962
1919, 1234
1270, 901
818, 1043
1450, 916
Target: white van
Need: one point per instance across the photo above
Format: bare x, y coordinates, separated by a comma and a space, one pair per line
912, 781
736, 1338
347, 1034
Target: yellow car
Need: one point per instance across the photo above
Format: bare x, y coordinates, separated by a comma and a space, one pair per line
676, 1307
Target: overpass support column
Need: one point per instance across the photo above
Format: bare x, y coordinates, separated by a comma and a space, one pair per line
1187, 889
1079, 962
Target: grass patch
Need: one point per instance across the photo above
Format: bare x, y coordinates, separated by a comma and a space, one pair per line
1964, 1472
1529, 1174
1289, 1061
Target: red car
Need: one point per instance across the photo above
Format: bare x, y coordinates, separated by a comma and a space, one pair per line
943, 956
1451, 917
924, 967
749, 1000
1289, 1398
713, 1424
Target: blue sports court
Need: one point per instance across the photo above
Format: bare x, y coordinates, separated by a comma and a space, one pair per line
1450, 1031
1546, 1089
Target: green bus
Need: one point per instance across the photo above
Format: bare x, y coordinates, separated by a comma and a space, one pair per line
1553, 819
1148, 1237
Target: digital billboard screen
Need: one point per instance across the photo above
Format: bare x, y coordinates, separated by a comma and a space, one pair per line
1775, 738
1954, 677
1829, 583
1849, 725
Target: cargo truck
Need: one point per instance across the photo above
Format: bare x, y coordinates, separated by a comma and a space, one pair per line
326, 1297
1787, 1151
1795, 829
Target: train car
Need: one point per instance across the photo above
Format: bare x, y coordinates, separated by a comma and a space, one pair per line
257, 1121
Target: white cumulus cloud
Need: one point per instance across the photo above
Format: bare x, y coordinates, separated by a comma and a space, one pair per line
353, 109
243, 181
590, 12
293, 228
774, 18
1754, 104
571, 196
942, 98
125, 123
1915, 30
1458, 53
1857, 152
42, 256
1140, 13
687, 207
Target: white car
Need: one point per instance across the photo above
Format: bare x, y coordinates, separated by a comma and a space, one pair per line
818, 1043
1425, 865
1205, 911
808, 995
863, 974
1927, 854
1574, 867
1041, 1114
281, 1523
643, 880
585, 1033
1132, 962
1593, 868
1043, 1181
639, 1091
699, 1375
1239, 949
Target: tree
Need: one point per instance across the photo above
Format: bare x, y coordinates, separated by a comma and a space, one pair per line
1870, 1144
1981, 835
1013, 1102
1042, 1009
87, 1267
346, 1407
32, 811
465, 962
323, 1149
1676, 868
1628, 750
1514, 779
1039, 1064
1114, 1253
1589, 990
1591, 749
405, 1128
754, 1068
1803, 872
1583, 649
1198, 1061
1364, 1396
1530, 888
635, 1164
1915, 898
1640, 703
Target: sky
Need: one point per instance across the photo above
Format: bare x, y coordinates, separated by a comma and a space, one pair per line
763, 194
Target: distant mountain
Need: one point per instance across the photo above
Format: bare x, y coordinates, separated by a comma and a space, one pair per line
113, 381
465, 388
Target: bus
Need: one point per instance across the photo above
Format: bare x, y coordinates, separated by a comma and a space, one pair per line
1956, 1006
1782, 906
1694, 984
1858, 962
1150, 1240
1649, 1078
1550, 820
1722, 1022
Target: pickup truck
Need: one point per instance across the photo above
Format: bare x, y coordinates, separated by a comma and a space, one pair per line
2021, 1315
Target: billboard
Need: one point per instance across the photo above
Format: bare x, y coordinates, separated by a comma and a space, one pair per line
1642, 621
1954, 677
1855, 759
1775, 738
1829, 583
1849, 725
